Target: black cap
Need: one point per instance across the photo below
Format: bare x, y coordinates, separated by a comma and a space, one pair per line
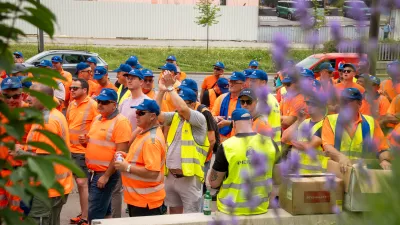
249, 93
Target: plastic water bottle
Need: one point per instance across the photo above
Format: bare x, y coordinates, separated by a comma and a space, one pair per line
119, 158
207, 203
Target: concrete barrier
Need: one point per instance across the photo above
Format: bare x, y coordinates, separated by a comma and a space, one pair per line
199, 219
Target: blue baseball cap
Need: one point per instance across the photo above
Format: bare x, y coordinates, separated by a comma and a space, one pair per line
148, 105
352, 94
350, 65
188, 94
223, 85
287, 78
259, 74
326, 66
147, 73
171, 57
81, 66
220, 65
307, 73
92, 60
57, 59
99, 72
238, 76
45, 63
375, 80
133, 62
107, 94
123, 68
11, 83
18, 53
253, 63
340, 66
241, 114
25, 84
248, 72
135, 72
169, 66
189, 83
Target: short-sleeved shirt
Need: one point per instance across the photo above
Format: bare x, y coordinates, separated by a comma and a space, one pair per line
151, 94
211, 125
216, 110
341, 86
328, 137
394, 107
380, 106
390, 90
209, 81
93, 86
109, 85
291, 105
167, 105
130, 113
79, 118
199, 131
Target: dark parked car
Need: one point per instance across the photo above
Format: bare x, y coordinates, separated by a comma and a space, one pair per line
348, 9
70, 58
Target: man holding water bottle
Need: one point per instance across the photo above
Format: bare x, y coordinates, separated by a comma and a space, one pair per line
143, 167
110, 132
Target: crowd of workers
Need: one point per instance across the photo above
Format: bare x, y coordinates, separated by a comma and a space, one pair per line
153, 149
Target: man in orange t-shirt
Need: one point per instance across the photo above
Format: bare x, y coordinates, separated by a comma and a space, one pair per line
101, 76
349, 71
84, 71
210, 81
143, 167
57, 65
80, 113
55, 122
148, 83
391, 87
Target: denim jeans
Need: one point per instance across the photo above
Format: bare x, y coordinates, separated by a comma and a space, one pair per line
100, 199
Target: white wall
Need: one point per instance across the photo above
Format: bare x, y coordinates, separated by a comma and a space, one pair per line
136, 20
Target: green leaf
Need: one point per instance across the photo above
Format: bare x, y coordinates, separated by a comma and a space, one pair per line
58, 141
43, 146
44, 169
6, 60
19, 191
10, 32
40, 72
14, 129
59, 188
40, 193
11, 217
43, 80
70, 164
45, 99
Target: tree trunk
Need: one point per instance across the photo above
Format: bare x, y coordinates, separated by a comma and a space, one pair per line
373, 35
208, 30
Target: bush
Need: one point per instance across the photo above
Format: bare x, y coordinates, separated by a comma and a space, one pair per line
330, 46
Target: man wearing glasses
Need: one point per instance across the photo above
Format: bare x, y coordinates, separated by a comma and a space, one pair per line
226, 103
80, 114
188, 146
350, 135
84, 71
148, 83
144, 166
210, 81
349, 72
18, 57
110, 132
327, 87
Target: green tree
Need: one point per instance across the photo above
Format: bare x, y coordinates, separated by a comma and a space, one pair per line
36, 168
208, 15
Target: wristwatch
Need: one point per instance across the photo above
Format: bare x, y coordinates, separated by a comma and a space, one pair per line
128, 169
170, 88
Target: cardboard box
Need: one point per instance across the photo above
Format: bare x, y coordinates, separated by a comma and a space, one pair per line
334, 167
363, 184
306, 195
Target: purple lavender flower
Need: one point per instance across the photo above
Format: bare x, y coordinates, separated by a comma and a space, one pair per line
253, 202
312, 153
330, 183
275, 206
363, 172
397, 4
234, 220
313, 38
336, 209
259, 163
336, 31
357, 12
294, 160
279, 50
302, 13
217, 222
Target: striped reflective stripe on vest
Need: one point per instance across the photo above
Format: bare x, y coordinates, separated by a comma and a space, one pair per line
160, 177
144, 191
107, 142
82, 130
97, 162
192, 143
263, 183
226, 201
63, 129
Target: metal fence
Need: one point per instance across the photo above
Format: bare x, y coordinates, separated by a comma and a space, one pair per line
298, 35
147, 21
386, 51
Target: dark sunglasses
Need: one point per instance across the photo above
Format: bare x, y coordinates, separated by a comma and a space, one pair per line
107, 102
347, 71
247, 102
18, 56
16, 96
141, 113
218, 69
74, 88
